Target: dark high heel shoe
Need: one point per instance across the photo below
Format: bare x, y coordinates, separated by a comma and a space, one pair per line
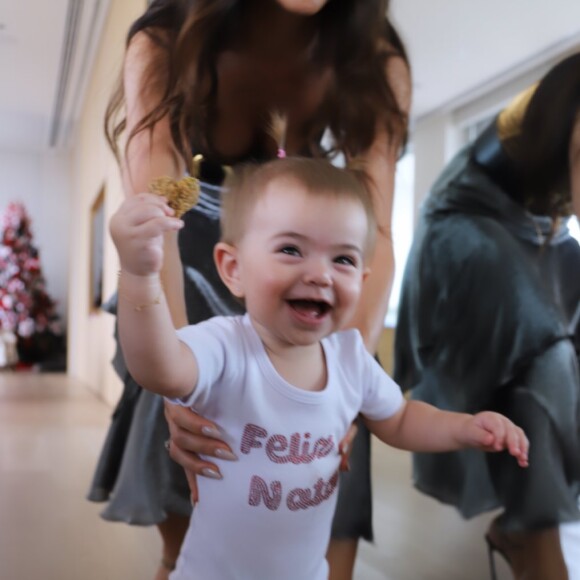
490, 550
534, 555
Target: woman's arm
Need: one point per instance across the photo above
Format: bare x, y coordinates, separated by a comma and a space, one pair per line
151, 153
380, 164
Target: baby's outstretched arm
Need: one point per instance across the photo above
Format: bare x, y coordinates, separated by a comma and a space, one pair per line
155, 357
421, 427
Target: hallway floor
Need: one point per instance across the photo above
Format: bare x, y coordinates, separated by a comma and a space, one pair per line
51, 431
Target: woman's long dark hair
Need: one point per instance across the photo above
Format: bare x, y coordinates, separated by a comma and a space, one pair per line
541, 150
355, 39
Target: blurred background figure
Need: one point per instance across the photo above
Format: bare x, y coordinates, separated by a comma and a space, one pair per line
489, 319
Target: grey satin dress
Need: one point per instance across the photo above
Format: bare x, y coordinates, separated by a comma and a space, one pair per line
489, 319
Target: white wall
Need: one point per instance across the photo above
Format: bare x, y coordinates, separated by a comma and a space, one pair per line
438, 136
41, 182
91, 344
435, 140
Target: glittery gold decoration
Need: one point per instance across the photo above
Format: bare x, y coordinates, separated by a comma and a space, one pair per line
195, 166
181, 195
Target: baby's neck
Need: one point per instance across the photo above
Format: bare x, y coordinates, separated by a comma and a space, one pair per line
304, 367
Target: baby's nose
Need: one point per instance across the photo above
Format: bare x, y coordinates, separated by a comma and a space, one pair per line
318, 273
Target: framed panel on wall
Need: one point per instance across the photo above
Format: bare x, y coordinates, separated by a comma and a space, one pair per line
96, 249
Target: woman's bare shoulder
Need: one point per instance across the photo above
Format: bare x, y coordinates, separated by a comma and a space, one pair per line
397, 73
144, 70
144, 49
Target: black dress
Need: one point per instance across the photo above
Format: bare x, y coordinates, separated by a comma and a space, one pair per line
489, 319
135, 474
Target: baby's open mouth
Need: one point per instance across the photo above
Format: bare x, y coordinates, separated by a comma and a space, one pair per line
310, 308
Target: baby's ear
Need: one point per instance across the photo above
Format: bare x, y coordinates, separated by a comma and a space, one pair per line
366, 273
226, 261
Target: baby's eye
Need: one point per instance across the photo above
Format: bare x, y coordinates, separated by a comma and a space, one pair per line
290, 250
345, 260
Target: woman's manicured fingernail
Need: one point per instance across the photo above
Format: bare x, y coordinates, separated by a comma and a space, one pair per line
207, 472
225, 454
344, 449
211, 432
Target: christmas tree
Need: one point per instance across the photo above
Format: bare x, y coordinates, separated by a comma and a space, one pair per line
26, 309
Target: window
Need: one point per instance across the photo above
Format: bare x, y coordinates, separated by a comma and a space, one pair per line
472, 131
403, 224
574, 228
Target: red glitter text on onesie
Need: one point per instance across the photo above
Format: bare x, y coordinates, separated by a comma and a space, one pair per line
297, 449
304, 498
259, 491
280, 449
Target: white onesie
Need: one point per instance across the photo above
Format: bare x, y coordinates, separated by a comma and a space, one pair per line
270, 516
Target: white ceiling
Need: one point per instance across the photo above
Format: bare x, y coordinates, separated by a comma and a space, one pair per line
458, 48
45, 49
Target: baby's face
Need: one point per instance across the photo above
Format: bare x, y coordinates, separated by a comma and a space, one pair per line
301, 263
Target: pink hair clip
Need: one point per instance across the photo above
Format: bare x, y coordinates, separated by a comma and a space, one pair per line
281, 153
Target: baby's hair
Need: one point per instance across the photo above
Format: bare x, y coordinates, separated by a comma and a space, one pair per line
248, 182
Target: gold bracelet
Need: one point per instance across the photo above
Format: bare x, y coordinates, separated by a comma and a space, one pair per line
137, 307
181, 195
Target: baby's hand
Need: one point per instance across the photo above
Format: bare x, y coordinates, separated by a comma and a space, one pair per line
137, 229
493, 432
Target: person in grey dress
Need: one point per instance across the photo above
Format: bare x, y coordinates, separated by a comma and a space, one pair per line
490, 319
204, 77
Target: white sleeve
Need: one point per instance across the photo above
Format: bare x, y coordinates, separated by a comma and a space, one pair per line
382, 397
210, 341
